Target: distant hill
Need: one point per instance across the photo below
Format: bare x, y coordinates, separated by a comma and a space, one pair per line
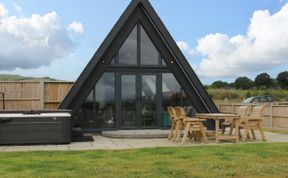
7, 77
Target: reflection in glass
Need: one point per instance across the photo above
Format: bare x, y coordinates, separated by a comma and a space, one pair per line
148, 100
149, 53
171, 90
105, 101
128, 100
128, 51
171, 95
163, 63
187, 104
84, 117
113, 61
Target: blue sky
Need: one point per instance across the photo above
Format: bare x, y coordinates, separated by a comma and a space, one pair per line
222, 39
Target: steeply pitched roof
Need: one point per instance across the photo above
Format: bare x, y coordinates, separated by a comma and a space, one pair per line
139, 10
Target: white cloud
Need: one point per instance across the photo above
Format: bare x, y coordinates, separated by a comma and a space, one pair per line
3, 11
76, 27
32, 42
263, 47
185, 47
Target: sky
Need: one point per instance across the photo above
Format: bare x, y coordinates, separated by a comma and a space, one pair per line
221, 39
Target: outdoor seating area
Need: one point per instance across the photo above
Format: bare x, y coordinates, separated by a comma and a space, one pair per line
242, 126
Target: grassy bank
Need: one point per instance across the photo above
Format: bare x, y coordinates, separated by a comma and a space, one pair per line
248, 160
219, 95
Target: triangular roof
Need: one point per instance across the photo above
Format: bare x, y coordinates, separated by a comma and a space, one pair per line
140, 10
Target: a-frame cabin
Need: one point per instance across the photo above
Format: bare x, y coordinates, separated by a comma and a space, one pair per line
135, 74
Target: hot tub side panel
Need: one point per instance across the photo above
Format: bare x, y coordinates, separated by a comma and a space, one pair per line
35, 130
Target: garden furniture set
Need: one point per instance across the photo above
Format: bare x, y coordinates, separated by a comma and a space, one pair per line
241, 124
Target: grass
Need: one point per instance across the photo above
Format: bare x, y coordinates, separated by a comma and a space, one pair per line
276, 131
219, 95
8, 77
245, 160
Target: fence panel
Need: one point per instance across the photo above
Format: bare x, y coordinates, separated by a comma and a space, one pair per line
20, 95
275, 115
55, 93
27, 95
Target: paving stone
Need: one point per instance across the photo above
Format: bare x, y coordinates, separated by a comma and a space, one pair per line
104, 143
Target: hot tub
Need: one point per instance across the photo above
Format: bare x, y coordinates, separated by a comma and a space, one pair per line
35, 127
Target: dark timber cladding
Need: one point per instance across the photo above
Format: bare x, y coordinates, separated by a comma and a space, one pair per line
140, 11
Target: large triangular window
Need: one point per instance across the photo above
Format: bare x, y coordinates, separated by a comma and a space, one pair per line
149, 53
138, 49
128, 51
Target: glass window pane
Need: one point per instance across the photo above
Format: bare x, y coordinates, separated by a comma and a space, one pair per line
187, 104
128, 100
113, 61
105, 101
84, 117
171, 95
128, 51
148, 101
149, 53
163, 63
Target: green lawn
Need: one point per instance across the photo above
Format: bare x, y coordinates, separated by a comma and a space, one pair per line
236, 160
285, 132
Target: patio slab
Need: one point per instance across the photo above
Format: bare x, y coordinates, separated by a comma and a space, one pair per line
103, 143
149, 133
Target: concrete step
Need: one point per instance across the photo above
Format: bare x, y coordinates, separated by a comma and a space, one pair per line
137, 134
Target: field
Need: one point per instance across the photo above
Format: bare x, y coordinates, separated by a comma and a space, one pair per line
245, 160
237, 96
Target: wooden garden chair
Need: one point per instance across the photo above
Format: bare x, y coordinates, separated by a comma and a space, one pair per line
242, 112
253, 122
178, 125
192, 127
173, 118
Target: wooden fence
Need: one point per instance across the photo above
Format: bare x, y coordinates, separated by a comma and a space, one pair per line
48, 95
32, 94
275, 115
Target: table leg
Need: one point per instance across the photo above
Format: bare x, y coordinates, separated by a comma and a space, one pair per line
261, 131
202, 130
246, 132
217, 130
237, 130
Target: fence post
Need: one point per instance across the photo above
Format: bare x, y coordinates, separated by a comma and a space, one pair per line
42, 94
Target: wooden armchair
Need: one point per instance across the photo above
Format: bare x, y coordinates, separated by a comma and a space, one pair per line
193, 127
242, 112
253, 122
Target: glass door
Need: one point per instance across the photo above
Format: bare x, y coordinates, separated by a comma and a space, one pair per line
128, 101
148, 101
138, 101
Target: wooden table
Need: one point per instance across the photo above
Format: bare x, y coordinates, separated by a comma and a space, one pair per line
222, 116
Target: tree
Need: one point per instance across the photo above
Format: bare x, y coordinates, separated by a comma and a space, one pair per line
243, 83
263, 80
282, 79
220, 84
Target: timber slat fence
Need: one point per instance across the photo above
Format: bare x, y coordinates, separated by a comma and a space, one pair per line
27, 95
275, 115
